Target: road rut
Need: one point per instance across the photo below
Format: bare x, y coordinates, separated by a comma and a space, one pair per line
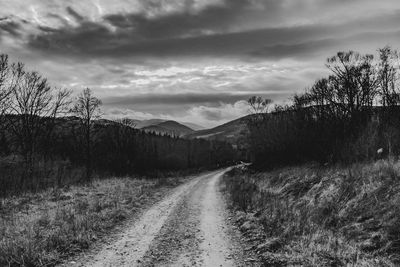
189, 227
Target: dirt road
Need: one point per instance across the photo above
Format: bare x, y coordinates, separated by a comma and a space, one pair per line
189, 227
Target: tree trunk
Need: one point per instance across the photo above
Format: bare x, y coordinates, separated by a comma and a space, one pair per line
88, 156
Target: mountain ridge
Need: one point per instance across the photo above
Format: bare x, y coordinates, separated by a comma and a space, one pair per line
140, 124
171, 127
230, 131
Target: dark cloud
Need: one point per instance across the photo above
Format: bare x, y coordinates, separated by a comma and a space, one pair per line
136, 35
9, 26
325, 47
97, 40
74, 40
179, 99
75, 14
132, 31
213, 18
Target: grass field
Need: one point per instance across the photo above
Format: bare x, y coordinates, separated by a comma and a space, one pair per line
313, 216
42, 229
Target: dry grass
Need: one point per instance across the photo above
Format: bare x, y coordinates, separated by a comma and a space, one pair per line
44, 228
321, 217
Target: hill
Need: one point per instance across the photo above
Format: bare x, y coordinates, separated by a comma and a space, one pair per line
230, 132
193, 126
140, 124
172, 128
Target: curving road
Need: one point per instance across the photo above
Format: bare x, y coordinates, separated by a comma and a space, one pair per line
189, 227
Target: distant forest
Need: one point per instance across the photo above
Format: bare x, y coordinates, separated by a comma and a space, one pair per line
48, 138
352, 115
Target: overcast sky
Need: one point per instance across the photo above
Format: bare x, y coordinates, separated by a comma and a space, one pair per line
190, 60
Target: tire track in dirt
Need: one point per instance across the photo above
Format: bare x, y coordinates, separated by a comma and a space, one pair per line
189, 227
134, 242
217, 248
178, 238
198, 233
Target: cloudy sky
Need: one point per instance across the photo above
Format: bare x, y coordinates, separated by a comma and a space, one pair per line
191, 60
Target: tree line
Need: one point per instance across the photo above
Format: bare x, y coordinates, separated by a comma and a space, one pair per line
48, 137
344, 117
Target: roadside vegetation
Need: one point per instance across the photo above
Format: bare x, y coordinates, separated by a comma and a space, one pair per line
342, 210
315, 216
43, 229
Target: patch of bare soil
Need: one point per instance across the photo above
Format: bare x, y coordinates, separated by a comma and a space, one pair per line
218, 249
198, 232
177, 244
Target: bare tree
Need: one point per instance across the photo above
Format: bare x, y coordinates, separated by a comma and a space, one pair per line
353, 85
87, 109
388, 84
4, 84
127, 123
388, 76
33, 107
258, 105
367, 81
